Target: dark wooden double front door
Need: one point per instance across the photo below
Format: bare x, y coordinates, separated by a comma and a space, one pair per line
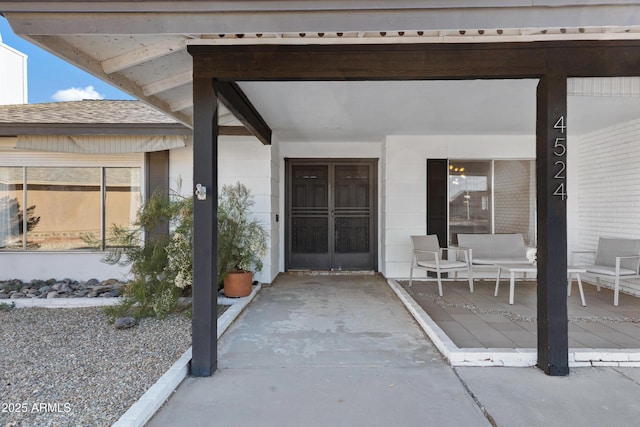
331, 214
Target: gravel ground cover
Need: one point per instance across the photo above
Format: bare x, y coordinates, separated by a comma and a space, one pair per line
70, 367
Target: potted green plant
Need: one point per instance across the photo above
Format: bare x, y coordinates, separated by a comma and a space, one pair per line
242, 241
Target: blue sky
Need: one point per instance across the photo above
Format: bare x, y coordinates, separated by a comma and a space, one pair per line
51, 79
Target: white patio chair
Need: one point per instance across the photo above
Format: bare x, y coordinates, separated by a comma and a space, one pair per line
614, 258
427, 255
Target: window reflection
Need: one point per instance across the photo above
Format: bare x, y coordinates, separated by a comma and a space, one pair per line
11, 208
469, 198
68, 203
122, 197
65, 206
492, 197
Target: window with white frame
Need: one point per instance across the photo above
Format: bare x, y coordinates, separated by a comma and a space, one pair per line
492, 196
47, 208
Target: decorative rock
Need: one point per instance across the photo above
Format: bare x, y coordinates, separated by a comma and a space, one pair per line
65, 288
110, 282
37, 283
91, 283
125, 323
82, 293
111, 294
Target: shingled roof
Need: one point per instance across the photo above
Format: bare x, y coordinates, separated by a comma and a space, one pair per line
88, 116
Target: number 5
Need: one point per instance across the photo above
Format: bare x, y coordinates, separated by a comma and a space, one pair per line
560, 144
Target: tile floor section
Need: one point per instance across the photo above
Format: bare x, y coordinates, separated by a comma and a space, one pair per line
480, 320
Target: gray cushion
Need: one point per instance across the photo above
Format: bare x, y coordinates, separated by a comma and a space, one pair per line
444, 264
608, 270
494, 245
491, 261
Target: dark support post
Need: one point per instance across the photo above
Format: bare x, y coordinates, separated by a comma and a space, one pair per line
437, 199
551, 161
205, 236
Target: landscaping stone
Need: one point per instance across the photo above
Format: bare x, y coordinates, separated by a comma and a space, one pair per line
91, 282
125, 323
62, 288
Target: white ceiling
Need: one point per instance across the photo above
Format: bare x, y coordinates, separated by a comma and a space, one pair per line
368, 111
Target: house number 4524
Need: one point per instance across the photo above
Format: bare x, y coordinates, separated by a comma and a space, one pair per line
560, 150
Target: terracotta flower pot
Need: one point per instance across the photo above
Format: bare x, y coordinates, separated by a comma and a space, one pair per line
237, 283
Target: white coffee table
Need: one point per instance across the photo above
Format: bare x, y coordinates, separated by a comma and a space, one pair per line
512, 269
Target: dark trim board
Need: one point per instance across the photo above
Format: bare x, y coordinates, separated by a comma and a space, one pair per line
446, 61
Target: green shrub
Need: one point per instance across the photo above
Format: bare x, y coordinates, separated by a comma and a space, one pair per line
162, 264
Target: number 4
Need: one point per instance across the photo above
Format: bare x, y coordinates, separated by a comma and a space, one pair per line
560, 124
560, 192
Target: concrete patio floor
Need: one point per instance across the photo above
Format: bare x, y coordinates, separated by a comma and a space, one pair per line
599, 332
480, 320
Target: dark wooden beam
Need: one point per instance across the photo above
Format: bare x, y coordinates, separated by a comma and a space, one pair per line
233, 131
365, 62
551, 165
205, 229
417, 61
238, 103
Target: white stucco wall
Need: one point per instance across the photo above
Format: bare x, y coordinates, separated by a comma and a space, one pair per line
13, 76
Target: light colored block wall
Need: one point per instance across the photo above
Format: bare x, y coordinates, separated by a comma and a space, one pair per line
404, 167
514, 198
608, 203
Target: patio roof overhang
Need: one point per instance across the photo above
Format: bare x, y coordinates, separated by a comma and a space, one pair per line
141, 47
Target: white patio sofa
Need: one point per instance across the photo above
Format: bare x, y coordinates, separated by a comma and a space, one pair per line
492, 249
614, 258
